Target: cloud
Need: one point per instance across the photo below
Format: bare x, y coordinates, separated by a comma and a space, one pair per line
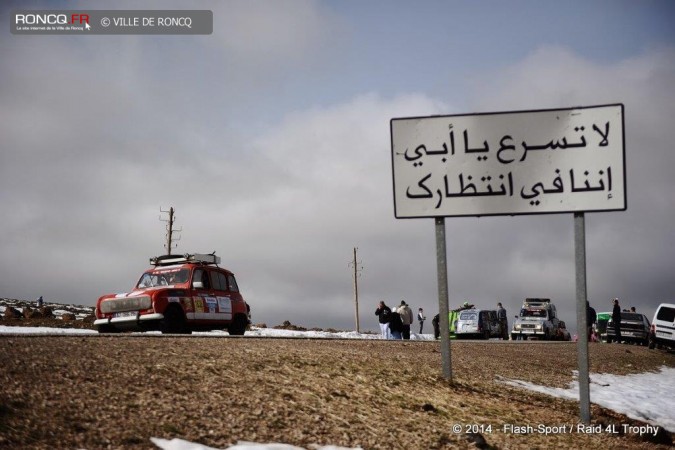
120, 127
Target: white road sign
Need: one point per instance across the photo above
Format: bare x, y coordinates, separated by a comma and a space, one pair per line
507, 163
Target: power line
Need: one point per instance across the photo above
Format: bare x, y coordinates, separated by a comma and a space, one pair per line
358, 267
170, 239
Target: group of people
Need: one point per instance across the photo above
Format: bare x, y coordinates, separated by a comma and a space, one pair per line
592, 318
616, 318
395, 322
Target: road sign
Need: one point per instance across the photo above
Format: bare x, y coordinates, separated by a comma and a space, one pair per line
507, 163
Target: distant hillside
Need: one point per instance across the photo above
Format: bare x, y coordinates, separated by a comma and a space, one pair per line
14, 312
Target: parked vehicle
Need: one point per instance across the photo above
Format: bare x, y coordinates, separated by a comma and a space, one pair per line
453, 316
634, 327
601, 325
538, 319
663, 327
179, 294
477, 323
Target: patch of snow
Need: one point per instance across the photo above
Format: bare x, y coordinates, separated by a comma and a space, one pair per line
4, 329
644, 396
260, 332
273, 332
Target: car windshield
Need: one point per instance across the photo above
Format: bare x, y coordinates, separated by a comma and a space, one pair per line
163, 277
467, 316
666, 314
631, 316
532, 313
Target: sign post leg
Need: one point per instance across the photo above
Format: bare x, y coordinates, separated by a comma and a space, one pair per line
582, 326
443, 323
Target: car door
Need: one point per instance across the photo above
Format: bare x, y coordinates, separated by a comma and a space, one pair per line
203, 295
222, 296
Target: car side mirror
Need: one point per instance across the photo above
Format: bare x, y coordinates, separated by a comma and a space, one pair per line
198, 285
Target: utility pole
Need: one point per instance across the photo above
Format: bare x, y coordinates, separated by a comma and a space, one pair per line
170, 240
355, 275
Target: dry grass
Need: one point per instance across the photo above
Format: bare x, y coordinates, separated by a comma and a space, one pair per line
118, 391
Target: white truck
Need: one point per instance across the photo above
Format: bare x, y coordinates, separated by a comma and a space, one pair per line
537, 319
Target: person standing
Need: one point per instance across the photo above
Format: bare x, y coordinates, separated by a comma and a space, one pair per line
591, 319
421, 318
616, 320
383, 312
503, 322
437, 329
40, 302
406, 318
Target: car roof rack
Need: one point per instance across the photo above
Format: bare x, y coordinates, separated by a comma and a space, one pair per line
198, 258
537, 303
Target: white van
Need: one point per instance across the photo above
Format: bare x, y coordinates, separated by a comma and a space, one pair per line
477, 323
663, 327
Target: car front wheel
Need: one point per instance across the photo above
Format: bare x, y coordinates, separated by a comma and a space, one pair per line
173, 322
107, 329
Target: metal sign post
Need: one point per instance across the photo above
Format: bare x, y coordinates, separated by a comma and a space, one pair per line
582, 325
443, 323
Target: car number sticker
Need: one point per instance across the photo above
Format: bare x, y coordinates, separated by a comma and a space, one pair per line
199, 304
211, 304
224, 305
187, 304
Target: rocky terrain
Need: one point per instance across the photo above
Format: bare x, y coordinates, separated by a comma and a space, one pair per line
25, 313
118, 391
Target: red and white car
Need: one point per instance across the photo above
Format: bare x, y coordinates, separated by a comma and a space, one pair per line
179, 294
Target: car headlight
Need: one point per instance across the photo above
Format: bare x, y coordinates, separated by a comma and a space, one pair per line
125, 304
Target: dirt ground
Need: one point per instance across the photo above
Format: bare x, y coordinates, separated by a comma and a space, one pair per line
117, 391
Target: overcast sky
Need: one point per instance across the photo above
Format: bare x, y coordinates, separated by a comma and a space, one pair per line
271, 140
